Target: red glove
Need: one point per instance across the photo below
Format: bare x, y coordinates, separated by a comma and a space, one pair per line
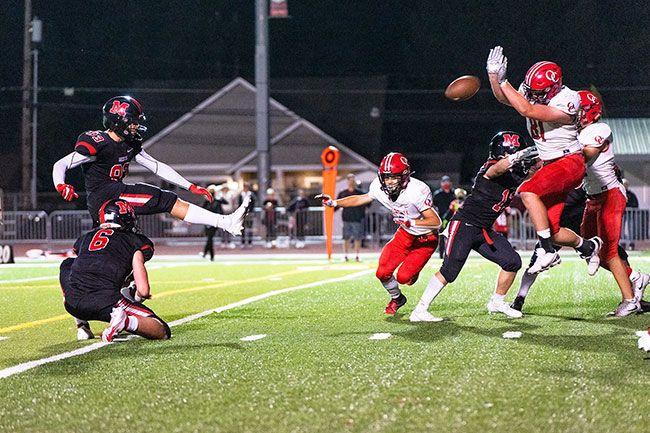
201, 191
67, 191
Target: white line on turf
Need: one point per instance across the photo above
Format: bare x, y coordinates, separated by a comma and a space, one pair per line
253, 337
16, 369
3, 338
380, 336
27, 280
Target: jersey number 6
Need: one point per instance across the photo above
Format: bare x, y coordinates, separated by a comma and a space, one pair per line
100, 240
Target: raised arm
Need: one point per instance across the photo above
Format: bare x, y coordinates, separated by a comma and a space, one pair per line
169, 174
539, 112
496, 67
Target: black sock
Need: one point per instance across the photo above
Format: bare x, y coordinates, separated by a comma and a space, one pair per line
586, 248
546, 244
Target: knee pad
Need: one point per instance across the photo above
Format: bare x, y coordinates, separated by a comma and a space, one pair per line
512, 265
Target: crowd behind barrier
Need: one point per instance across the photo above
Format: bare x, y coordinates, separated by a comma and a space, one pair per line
65, 226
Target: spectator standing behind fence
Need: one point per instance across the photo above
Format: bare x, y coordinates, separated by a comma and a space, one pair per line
247, 231
442, 198
215, 206
630, 223
298, 211
269, 208
353, 217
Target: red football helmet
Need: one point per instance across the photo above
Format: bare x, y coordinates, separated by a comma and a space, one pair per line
590, 108
394, 166
543, 81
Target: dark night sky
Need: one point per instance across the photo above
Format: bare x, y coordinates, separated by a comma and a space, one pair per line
416, 44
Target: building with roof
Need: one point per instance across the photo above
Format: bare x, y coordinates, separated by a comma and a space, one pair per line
632, 150
215, 142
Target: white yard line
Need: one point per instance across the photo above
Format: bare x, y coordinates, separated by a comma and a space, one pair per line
253, 337
16, 369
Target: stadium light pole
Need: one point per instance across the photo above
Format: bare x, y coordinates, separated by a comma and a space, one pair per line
25, 103
37, 37
262, 96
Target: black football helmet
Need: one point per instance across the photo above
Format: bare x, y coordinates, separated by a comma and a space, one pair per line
122, 111
118, 214
506, 143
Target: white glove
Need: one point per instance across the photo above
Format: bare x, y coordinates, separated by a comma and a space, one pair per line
131, 294
497, 63
528, 154
326, 200
644, 342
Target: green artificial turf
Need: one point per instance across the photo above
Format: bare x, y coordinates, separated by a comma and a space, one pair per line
572, 370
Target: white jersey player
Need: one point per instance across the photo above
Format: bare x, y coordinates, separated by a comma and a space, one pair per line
415, 240
551, 112
606, 201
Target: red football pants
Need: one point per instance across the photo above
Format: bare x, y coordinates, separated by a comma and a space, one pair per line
409, 251
553, 182
603, 217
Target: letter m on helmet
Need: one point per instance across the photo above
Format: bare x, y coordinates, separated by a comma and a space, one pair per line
511, 139
119, 108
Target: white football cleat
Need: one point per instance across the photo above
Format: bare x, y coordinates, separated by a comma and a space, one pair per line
83, 330
116, 325
544, 261
639, 284
424, 316
494, 306
593, 260
234, 223
644, 342
626, 308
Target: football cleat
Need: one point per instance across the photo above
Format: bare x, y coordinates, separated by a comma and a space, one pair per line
395, 304
593, 260
645, 306
518, 303
543, 261
424, 316
639, 285
83, 331
626, 308
116, 325
495, 306
234, 223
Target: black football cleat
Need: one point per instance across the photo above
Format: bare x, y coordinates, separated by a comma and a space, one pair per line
518, 303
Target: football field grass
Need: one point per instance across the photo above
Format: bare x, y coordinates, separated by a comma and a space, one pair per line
311, 364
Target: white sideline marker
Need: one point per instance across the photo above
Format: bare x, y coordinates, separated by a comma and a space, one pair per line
16, 369
512, 334
253, 337
380, 336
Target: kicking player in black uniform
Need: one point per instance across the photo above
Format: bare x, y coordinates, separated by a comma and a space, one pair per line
509, 161
92, 281
105, 157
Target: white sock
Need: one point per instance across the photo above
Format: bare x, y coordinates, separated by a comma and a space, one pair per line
527, 281
546, 233
392, 287
198, 215
132, 324
498, 298
434, 287
80, 322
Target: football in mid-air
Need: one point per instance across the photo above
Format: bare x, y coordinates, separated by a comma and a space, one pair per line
463, 88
